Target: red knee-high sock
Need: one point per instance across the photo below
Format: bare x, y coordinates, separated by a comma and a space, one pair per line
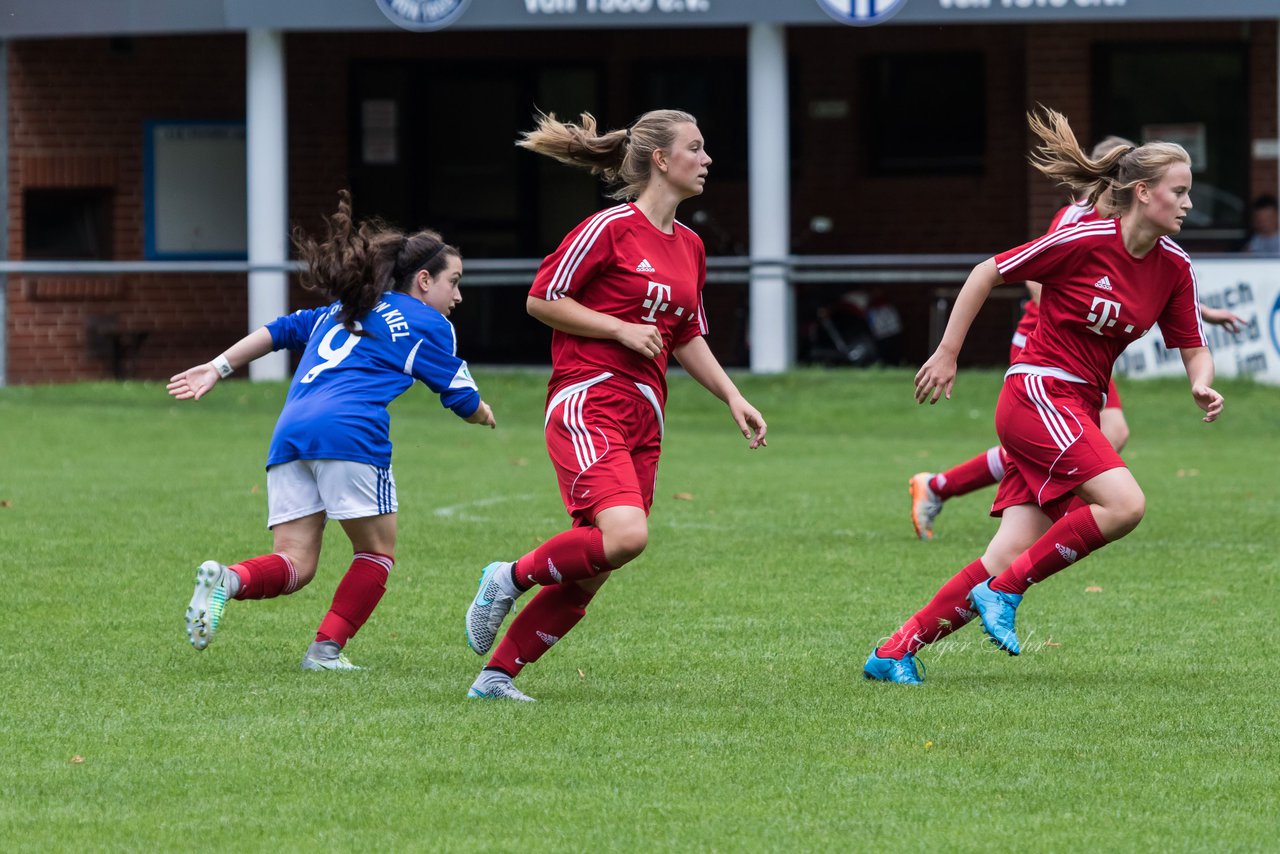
569, 556
549, 616
981, 471
357, 595
947, 611
1069, 539
266, 577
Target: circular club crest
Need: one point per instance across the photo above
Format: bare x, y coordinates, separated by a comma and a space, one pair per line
423, 15
861, 13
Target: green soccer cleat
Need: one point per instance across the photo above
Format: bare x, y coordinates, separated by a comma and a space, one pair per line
207, 603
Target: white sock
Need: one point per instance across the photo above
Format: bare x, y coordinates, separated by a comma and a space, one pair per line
507, 582
231, 581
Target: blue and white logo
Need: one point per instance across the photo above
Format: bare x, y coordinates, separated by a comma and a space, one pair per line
861, 13
1275, 325
422, 15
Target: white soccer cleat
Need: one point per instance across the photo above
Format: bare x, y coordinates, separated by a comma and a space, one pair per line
492, 602
327, 655
493, 685
925, 505
207, 603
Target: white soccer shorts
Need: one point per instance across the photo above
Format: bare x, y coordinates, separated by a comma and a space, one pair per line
342, 489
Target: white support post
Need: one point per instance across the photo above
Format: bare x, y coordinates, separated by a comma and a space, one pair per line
4, 209
266, 132
772, 309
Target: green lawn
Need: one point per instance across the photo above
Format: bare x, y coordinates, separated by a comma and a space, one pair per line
713, 699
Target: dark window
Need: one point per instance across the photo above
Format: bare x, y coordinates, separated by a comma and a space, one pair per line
421, 166
926, 113
67, 224
1193, 94
712, 90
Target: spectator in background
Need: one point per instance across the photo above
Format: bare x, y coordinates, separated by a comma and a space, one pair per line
1265, 239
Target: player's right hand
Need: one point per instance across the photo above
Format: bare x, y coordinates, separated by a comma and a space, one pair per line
641, 337
193, 383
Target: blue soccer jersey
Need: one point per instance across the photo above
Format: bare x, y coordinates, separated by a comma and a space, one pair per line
337, 403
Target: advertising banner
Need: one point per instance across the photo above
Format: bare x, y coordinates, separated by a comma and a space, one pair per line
1248, 287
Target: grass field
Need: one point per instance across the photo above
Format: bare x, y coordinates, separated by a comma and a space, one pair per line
712, 700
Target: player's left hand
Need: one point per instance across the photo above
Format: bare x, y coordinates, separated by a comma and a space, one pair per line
1233, 323
750, 422
193, 383
483, 416
1208, 400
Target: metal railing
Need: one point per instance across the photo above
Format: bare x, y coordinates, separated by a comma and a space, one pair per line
519, 271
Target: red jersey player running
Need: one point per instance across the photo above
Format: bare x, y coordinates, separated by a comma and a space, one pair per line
928, 490
1066, 492
623, 293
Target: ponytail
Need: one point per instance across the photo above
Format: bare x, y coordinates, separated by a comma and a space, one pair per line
1115, 170
357, 264
622, 158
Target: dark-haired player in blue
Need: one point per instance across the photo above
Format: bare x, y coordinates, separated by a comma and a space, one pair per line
330, 455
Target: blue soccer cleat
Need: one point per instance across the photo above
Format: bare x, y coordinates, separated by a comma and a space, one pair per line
903, 671
997, 610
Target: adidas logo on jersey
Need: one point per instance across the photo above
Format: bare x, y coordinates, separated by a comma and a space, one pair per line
645, 267
1103, 284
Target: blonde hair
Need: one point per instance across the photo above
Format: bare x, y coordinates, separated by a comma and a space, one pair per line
622, 158
1105, 179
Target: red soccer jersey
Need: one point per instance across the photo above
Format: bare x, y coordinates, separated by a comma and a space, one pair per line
1069, 215
618, 263
1097, 298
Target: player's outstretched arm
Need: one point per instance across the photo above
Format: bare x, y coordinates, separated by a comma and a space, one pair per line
936, 377
1233, 323
1199, 364
696, 358
194, 383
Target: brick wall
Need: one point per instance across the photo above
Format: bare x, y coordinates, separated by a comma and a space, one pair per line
76, 113
893, 214
77, 108
1059, 74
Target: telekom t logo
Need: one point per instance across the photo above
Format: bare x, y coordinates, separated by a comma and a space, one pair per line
1104, 316
659, 299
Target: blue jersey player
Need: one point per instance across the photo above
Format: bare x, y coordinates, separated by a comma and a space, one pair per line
330, 455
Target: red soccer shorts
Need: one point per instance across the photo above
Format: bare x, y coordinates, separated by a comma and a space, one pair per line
1113, 393
604, 437
1049, 430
